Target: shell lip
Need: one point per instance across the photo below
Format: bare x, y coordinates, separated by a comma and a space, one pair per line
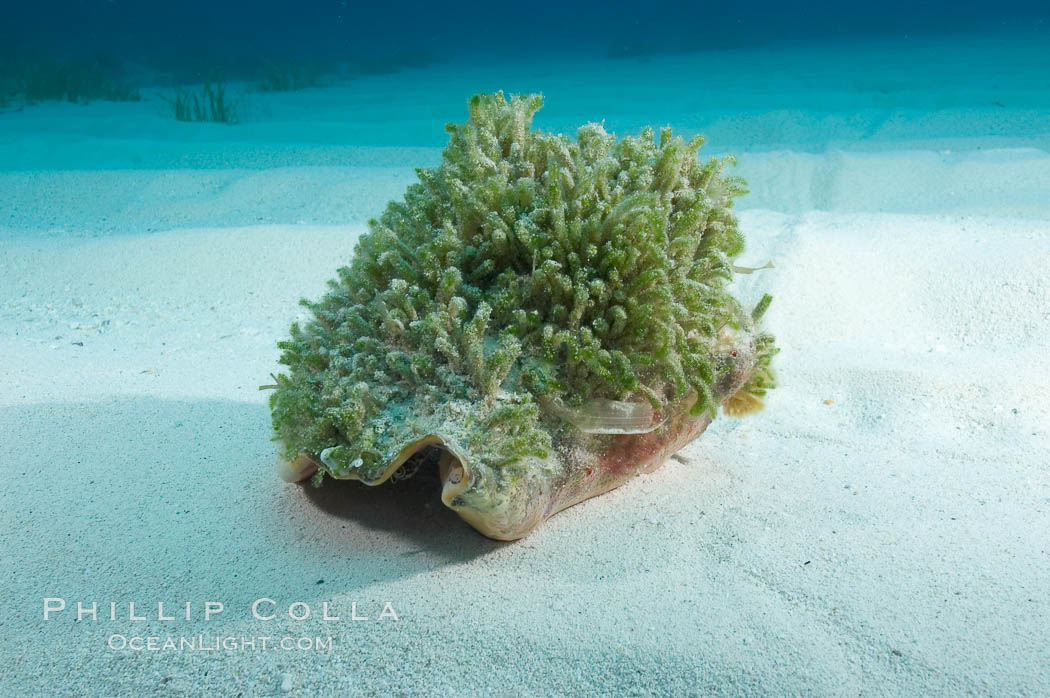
296, 469
456, 473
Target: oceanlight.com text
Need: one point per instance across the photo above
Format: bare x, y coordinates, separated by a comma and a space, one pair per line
216, 643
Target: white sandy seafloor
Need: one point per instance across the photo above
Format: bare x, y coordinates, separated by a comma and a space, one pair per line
882, 528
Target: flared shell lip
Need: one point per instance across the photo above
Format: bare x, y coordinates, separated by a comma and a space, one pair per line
305, 465
459, 475
407, 452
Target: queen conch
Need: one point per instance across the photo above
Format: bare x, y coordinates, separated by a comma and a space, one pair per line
543, 318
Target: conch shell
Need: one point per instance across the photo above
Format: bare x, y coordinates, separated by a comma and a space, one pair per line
542, 317
607, 443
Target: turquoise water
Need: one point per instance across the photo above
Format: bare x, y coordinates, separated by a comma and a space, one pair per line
781, 104
181, 34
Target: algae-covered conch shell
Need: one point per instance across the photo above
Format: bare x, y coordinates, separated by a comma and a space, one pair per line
540, 318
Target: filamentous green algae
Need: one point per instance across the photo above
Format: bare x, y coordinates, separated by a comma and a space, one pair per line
534, 307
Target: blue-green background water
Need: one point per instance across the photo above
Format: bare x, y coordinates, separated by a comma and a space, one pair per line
165, 30
232, 35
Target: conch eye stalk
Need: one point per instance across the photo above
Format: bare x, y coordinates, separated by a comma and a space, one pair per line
540, 318
601, 416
